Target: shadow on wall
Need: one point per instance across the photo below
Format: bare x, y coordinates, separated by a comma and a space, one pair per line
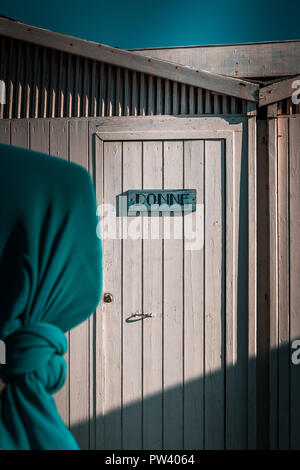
224, 408
186, 417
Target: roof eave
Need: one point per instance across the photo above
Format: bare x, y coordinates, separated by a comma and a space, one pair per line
122, 58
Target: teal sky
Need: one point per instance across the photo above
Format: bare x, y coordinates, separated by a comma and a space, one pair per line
161, 23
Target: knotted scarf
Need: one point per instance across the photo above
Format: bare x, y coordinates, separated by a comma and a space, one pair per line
50, 281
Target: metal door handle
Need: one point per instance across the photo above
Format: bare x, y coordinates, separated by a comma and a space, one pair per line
133, 317
144, 315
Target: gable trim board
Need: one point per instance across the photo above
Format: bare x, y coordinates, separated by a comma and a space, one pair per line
248, 61
277, 91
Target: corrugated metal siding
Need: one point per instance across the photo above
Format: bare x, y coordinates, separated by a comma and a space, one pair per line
43, 82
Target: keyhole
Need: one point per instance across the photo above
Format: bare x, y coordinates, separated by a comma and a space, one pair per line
107, 297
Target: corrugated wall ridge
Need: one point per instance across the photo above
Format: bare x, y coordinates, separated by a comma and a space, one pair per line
44, 82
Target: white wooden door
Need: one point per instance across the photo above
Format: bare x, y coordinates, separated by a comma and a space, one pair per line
178, 379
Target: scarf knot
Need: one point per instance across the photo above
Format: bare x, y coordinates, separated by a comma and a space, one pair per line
36, 349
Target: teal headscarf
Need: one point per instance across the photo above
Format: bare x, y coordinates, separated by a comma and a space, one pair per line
50, 281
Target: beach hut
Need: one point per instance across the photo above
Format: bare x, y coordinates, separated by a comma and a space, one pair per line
191, 345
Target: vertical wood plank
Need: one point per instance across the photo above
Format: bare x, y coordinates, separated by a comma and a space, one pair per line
5, 132
167, 101
10, 97
93, 90
236, 296
191, 100
58, 138
225, 104
70, 86
294, 139
200, 101
273, 208
58, 146
193, 302
152, 303
173, 308
142, 111
36, 85
289, 106
208, 109
214, 292
61, 85
28, 81
175, 99
86, 101
96, 347
109, 321
272, 110
283, 286
183, 100
280, 107
233, 105
53, 97
132, 303
95, 365
45, 84
134, 94
252, 282
77, 92
102, 90
19, 78
263, 287
3, 69
127, 107
119, 94
151, 95
158, 96
79, 336
19, 133
217, 104
39, 135
110, 91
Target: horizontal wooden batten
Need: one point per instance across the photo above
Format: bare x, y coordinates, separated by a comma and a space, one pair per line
266, 59
129, 60
278, 91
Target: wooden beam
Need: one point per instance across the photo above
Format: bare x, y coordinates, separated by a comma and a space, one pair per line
129, 60
272, 110
269, 59
277, 91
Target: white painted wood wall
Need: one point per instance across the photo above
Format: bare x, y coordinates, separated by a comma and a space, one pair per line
284, 184
184, 378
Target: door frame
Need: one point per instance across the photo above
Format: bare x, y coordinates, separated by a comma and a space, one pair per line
229, 129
